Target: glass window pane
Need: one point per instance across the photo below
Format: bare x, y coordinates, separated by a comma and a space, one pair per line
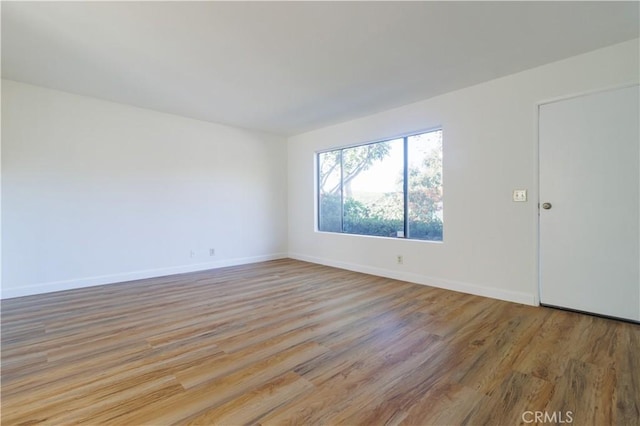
372, 189
329, 190
425, 208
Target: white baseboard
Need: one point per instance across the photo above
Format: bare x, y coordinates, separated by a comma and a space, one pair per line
492, 292
8, 293
478, 290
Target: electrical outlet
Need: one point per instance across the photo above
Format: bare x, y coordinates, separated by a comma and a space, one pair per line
520, 195
212, 252
399, 259
192, 253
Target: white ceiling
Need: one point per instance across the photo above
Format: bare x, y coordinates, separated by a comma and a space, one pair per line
289, 67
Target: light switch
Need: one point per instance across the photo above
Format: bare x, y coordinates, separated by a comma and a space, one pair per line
520, 195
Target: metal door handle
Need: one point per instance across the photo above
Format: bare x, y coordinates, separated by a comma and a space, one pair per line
546, 206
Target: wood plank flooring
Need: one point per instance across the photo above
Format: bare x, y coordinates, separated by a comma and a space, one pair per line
289, 342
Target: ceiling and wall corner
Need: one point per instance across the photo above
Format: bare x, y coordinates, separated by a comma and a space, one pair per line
290, 67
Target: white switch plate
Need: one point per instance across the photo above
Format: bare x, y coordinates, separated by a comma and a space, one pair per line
519, 195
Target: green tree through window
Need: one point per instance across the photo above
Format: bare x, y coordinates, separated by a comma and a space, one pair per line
362, 190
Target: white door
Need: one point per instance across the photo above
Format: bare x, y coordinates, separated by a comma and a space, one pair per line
590, 203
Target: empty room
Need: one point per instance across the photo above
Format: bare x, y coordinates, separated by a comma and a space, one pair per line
320, 213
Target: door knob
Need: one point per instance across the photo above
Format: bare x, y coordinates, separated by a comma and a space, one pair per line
546, 206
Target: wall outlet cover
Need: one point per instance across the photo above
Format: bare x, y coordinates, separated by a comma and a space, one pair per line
519, 195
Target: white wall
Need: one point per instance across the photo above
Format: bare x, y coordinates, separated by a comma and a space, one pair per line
96, 192
490, 148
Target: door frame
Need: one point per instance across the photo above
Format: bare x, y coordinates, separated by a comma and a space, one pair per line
536, 189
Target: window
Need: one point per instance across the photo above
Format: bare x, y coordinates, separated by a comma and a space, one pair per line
391, 188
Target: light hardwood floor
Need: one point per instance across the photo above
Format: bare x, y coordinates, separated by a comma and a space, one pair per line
297, 343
